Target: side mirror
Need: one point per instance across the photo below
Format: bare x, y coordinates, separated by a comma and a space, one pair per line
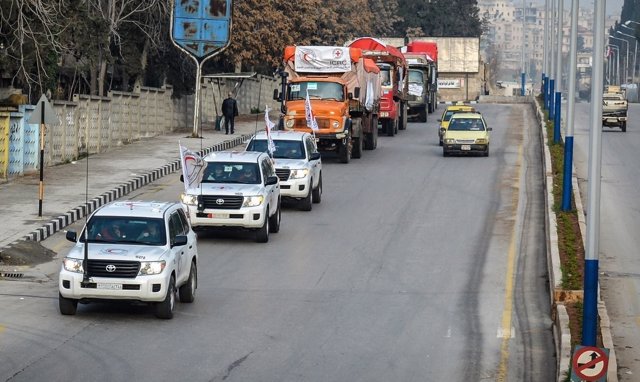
314, 156
439, 120
350, 95
489, 128
271, 180
72, 236
179, 241
276, 95
182, 178
356, 92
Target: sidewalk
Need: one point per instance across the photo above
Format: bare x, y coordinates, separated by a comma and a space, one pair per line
111, 175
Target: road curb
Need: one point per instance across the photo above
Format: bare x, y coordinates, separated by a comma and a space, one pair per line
55, 225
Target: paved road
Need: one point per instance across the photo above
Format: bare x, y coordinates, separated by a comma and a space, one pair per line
414, 267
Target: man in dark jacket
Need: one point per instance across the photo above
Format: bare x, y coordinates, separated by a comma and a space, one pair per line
230, 111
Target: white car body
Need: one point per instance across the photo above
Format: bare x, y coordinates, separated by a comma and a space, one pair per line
235, 205
116, 269
300, 172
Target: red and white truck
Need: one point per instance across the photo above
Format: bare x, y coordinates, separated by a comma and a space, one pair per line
395, 82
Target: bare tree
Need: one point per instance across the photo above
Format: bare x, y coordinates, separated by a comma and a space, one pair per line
31, 29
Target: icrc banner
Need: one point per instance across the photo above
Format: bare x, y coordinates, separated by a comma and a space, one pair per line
322, 59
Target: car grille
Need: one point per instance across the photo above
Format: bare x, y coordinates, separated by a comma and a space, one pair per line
323, 123
222, 202
465, 141
123, 269
283, 174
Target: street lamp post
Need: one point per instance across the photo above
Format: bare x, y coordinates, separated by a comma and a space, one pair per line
614, 67
635, 54
626, 73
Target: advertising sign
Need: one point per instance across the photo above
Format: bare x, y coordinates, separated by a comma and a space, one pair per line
449, 83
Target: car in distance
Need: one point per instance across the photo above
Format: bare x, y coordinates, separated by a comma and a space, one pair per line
467, 133
239, 190
446, 116
136, 250
298, 165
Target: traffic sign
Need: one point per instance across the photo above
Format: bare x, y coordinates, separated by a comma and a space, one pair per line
589, 363
201, 27
43, 113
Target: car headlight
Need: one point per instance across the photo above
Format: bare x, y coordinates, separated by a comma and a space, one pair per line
299, 173
252, 201
481, 141
290, 123
151, 267
72, 265
450, 141
189, 199
419, 98
335, 124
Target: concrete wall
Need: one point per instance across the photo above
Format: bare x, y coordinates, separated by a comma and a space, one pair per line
91, 125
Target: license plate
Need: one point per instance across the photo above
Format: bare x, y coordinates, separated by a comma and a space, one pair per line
465, 147
218, 216
109, 286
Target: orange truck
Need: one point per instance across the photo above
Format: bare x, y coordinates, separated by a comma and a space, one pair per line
343, 88
395, 82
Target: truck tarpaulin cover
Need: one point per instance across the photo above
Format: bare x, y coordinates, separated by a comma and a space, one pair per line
427, 47
361, 72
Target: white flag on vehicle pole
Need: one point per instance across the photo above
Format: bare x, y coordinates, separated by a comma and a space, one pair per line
193, 166
311, 119
271, 146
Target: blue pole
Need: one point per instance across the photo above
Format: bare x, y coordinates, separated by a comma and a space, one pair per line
567, 175
552, 88
522, 81
545, 92
590, 312
557, 118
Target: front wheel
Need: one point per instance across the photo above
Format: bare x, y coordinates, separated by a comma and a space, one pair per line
623, 127
165, 308
307, 203
357, 147
344, 150
68, 306
262, 235
274, 221
188, 290
317, 192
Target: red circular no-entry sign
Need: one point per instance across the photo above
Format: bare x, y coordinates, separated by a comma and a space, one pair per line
590, 363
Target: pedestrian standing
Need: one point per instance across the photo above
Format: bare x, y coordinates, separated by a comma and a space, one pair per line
230, 111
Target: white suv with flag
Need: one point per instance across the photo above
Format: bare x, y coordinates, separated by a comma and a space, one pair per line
298, 165
238, 190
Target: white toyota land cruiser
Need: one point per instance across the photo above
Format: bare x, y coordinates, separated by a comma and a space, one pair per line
298, 165
238, 190
140, 251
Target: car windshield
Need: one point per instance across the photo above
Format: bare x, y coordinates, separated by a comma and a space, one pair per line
385, 76
317, 90
415, 76
231, 172
284, 149
125, 230
466, 124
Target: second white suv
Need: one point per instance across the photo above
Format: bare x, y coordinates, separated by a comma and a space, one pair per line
298, 165
238, 190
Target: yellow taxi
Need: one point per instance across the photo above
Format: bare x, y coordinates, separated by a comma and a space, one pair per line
446, 116
467, 133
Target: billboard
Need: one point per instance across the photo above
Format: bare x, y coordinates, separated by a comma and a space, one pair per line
201, 27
